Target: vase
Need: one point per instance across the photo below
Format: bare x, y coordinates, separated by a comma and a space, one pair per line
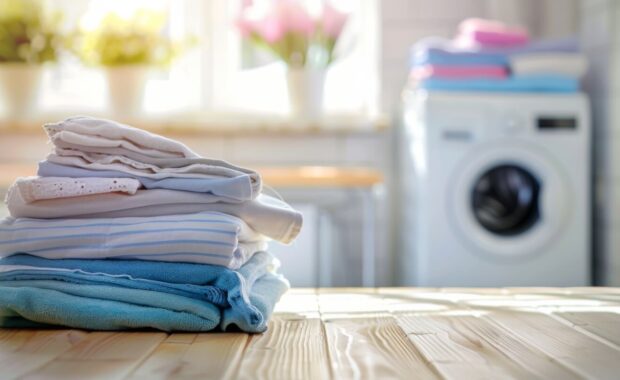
305, 92
20, 85
126, 87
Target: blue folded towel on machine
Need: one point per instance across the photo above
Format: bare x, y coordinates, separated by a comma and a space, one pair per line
438, 51
442, 52
121, 294
529, 83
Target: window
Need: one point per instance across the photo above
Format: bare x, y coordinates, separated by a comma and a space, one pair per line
218, 75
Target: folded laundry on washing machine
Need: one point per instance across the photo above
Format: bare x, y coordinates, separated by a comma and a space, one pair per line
491, 33
569, 64
440, 51
458, 72
521, 83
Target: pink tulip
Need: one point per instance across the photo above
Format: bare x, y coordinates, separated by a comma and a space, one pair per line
294, 17
333, 21
245, 26
270, 28
271, 24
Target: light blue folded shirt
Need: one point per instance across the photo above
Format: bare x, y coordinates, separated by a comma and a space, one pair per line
236, 189
121, 294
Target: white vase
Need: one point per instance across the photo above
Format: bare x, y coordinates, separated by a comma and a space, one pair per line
126, 87
19, 88
305, 92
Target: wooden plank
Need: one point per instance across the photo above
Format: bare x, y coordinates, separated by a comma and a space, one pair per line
290, 349
465, 346
373, 348
22, 351
351, 302
520, 315
603, 294
586, 356
602, 322
101, 355
187, 356
298, 304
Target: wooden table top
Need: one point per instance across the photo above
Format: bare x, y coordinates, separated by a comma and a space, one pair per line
524, 333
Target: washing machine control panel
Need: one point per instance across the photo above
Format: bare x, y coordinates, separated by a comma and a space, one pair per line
556, 123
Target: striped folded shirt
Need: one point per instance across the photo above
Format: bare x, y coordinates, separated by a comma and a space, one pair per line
205, 238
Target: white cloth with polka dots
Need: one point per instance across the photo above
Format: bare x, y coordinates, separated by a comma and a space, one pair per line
38, 188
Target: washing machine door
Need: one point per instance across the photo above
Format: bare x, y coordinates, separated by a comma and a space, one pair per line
509, 200
505, 199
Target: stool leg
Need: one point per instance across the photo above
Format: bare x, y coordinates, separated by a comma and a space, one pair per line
368, 238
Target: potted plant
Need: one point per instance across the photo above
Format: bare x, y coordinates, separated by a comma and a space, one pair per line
29, 37
127, 49
306, 44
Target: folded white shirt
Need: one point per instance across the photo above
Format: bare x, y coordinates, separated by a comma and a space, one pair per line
206, 238
570, 64
266, 215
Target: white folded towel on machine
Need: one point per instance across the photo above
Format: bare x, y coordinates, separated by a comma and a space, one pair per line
570, 64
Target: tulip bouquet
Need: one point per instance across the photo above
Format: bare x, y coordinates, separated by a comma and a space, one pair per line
292, 33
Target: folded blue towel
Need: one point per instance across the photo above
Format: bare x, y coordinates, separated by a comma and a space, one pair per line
237, 189
121, 294
437, 56
530, 83
555, 45
439, 51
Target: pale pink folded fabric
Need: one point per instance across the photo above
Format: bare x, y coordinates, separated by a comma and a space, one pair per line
490, 32
459, 72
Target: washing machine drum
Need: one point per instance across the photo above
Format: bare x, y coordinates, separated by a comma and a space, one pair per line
508, 200
505, 200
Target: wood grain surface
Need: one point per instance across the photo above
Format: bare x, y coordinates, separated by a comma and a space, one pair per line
359, 333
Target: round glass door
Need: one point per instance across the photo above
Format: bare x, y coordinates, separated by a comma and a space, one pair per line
505, 200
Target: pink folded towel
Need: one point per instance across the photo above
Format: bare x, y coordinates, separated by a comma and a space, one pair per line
459, 72
493, 33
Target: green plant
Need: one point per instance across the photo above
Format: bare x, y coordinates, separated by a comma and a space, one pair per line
28, 34
118, 41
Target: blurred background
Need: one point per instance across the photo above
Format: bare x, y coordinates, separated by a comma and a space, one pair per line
430, 143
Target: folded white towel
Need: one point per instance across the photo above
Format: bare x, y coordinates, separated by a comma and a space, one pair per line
570, 64
99, 144
162, 168
101, 134
265, 214
38, 188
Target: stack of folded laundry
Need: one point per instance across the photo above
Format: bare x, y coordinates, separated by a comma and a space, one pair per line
123, 229
492, 56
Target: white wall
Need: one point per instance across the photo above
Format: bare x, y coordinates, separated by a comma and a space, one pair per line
601, 40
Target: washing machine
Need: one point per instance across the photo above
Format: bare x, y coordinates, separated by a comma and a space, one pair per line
495, 189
